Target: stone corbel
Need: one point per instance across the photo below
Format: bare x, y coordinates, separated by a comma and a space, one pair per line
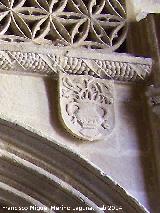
87, 105
72, 41
86, 82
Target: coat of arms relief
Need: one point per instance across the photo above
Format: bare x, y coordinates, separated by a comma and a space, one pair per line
87, 106
73, 41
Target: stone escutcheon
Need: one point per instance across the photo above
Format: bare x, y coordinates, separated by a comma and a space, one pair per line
73, 41
86, 106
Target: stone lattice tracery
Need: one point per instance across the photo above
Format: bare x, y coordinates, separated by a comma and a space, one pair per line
46, 37
93, 24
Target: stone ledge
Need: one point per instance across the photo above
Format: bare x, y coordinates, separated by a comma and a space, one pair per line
115, 66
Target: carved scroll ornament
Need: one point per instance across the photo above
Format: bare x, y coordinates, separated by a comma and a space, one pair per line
86, 106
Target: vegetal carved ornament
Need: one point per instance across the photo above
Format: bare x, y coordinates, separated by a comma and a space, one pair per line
73, 41
87, 106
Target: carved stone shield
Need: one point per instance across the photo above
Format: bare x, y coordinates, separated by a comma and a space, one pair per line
86, 106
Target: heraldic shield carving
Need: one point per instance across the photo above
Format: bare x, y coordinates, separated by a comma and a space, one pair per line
86, 106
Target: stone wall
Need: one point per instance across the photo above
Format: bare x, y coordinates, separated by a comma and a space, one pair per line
144, 7
126, 155
35, 99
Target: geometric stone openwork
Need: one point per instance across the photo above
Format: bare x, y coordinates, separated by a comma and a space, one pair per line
86, 82
77, 23
72, 41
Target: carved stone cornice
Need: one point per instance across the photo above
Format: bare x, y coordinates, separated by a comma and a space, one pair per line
97, 69
41, 61
34, 34
74, 40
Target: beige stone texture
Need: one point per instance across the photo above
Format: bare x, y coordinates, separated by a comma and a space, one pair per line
73, 113
125, 155
143, 7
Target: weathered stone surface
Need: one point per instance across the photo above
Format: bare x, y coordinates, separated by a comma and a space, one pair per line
73, 39
92, 24
55, 177
86, 106
144, 7
125, 155
47, 61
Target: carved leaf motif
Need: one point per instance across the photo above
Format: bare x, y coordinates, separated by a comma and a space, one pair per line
95, 8
100, 34
20, 27
108, 20
69, 17
114, 34
19, 3
40, 32
116, 8
4, 28
79, 6
31, 14
61, 31
80, 31
86, 106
